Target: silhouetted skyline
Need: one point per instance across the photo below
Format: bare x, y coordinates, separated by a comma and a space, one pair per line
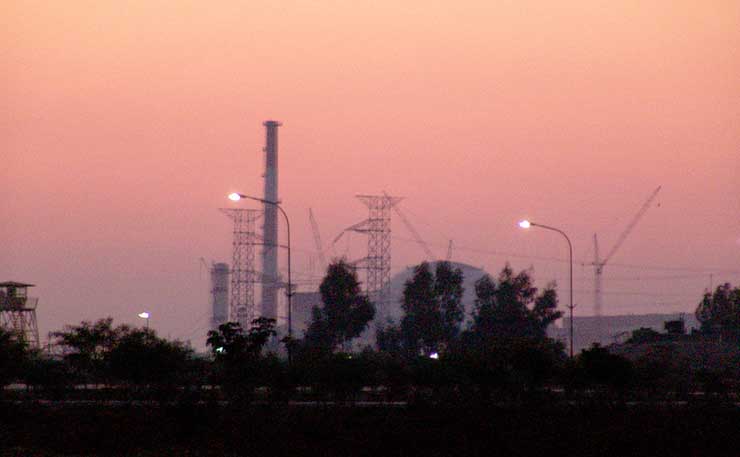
126, 126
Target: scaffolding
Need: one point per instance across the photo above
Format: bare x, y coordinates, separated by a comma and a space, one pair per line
243, 274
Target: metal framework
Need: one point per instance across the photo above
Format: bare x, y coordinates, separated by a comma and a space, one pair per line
377, 227
243, 273
18, 312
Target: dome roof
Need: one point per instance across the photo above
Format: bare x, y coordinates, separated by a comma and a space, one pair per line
470, 273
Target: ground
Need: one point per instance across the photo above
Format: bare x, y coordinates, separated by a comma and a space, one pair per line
518, 430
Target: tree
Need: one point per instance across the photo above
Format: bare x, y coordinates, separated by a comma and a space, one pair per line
422, 321
719, 312
597, 366
140, 357
506, 347
87, 346
239, 359
13, 357
47, 373
230, 343
345, 313
432, 305
511, 306
448, 286
389, 338
101, 352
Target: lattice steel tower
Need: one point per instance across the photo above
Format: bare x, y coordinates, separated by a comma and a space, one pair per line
243, 274
378, 260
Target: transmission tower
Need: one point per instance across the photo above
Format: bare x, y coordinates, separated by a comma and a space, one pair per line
378, 261
243, 274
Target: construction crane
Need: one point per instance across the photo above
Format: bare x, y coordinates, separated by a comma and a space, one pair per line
358, 227
430, 255
415, 234
599, 263
317, 239
203, 263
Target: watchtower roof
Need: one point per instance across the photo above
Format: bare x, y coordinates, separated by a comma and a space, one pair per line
15, 284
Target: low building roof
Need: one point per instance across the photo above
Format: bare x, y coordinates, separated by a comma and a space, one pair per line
15, 284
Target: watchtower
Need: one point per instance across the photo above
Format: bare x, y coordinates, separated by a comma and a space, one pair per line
18, 311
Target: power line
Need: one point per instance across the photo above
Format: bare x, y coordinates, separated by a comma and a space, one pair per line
488, 251
491, 252
705, 270
645, 294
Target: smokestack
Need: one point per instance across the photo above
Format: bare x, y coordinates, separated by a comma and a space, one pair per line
270, 278
219, 294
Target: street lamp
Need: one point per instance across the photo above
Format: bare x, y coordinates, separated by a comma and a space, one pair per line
525, 224
234, 196
145, 315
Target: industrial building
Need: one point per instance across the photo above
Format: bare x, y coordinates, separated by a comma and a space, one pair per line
219, 294
606, 330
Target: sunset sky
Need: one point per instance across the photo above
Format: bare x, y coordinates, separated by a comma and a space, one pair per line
125, 124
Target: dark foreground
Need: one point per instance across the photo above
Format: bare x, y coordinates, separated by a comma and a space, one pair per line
270, 430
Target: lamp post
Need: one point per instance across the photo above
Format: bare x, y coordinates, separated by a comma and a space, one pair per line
145, 315
527, 224
236, 197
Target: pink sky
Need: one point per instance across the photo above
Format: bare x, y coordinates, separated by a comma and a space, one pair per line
126, 123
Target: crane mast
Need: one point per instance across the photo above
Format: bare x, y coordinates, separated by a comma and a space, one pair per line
599, 268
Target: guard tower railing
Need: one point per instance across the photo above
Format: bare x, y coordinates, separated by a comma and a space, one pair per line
18, 303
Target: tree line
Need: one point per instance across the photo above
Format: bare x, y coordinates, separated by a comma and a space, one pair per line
436, 352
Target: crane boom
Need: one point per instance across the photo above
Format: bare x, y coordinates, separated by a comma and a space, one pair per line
317, 238
414, 233
632, 224
358, 227
600, 263
203, 264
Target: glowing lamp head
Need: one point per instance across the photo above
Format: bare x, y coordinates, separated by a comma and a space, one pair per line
234, 197
144, 315
434, 355
525, 224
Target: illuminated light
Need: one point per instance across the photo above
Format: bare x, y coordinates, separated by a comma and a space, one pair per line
434, 355
234, 197
144, 315
220, 350
525, 224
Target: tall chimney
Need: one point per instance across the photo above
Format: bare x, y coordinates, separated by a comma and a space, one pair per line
270, 276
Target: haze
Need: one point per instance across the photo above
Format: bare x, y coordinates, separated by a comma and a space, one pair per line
125, 124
